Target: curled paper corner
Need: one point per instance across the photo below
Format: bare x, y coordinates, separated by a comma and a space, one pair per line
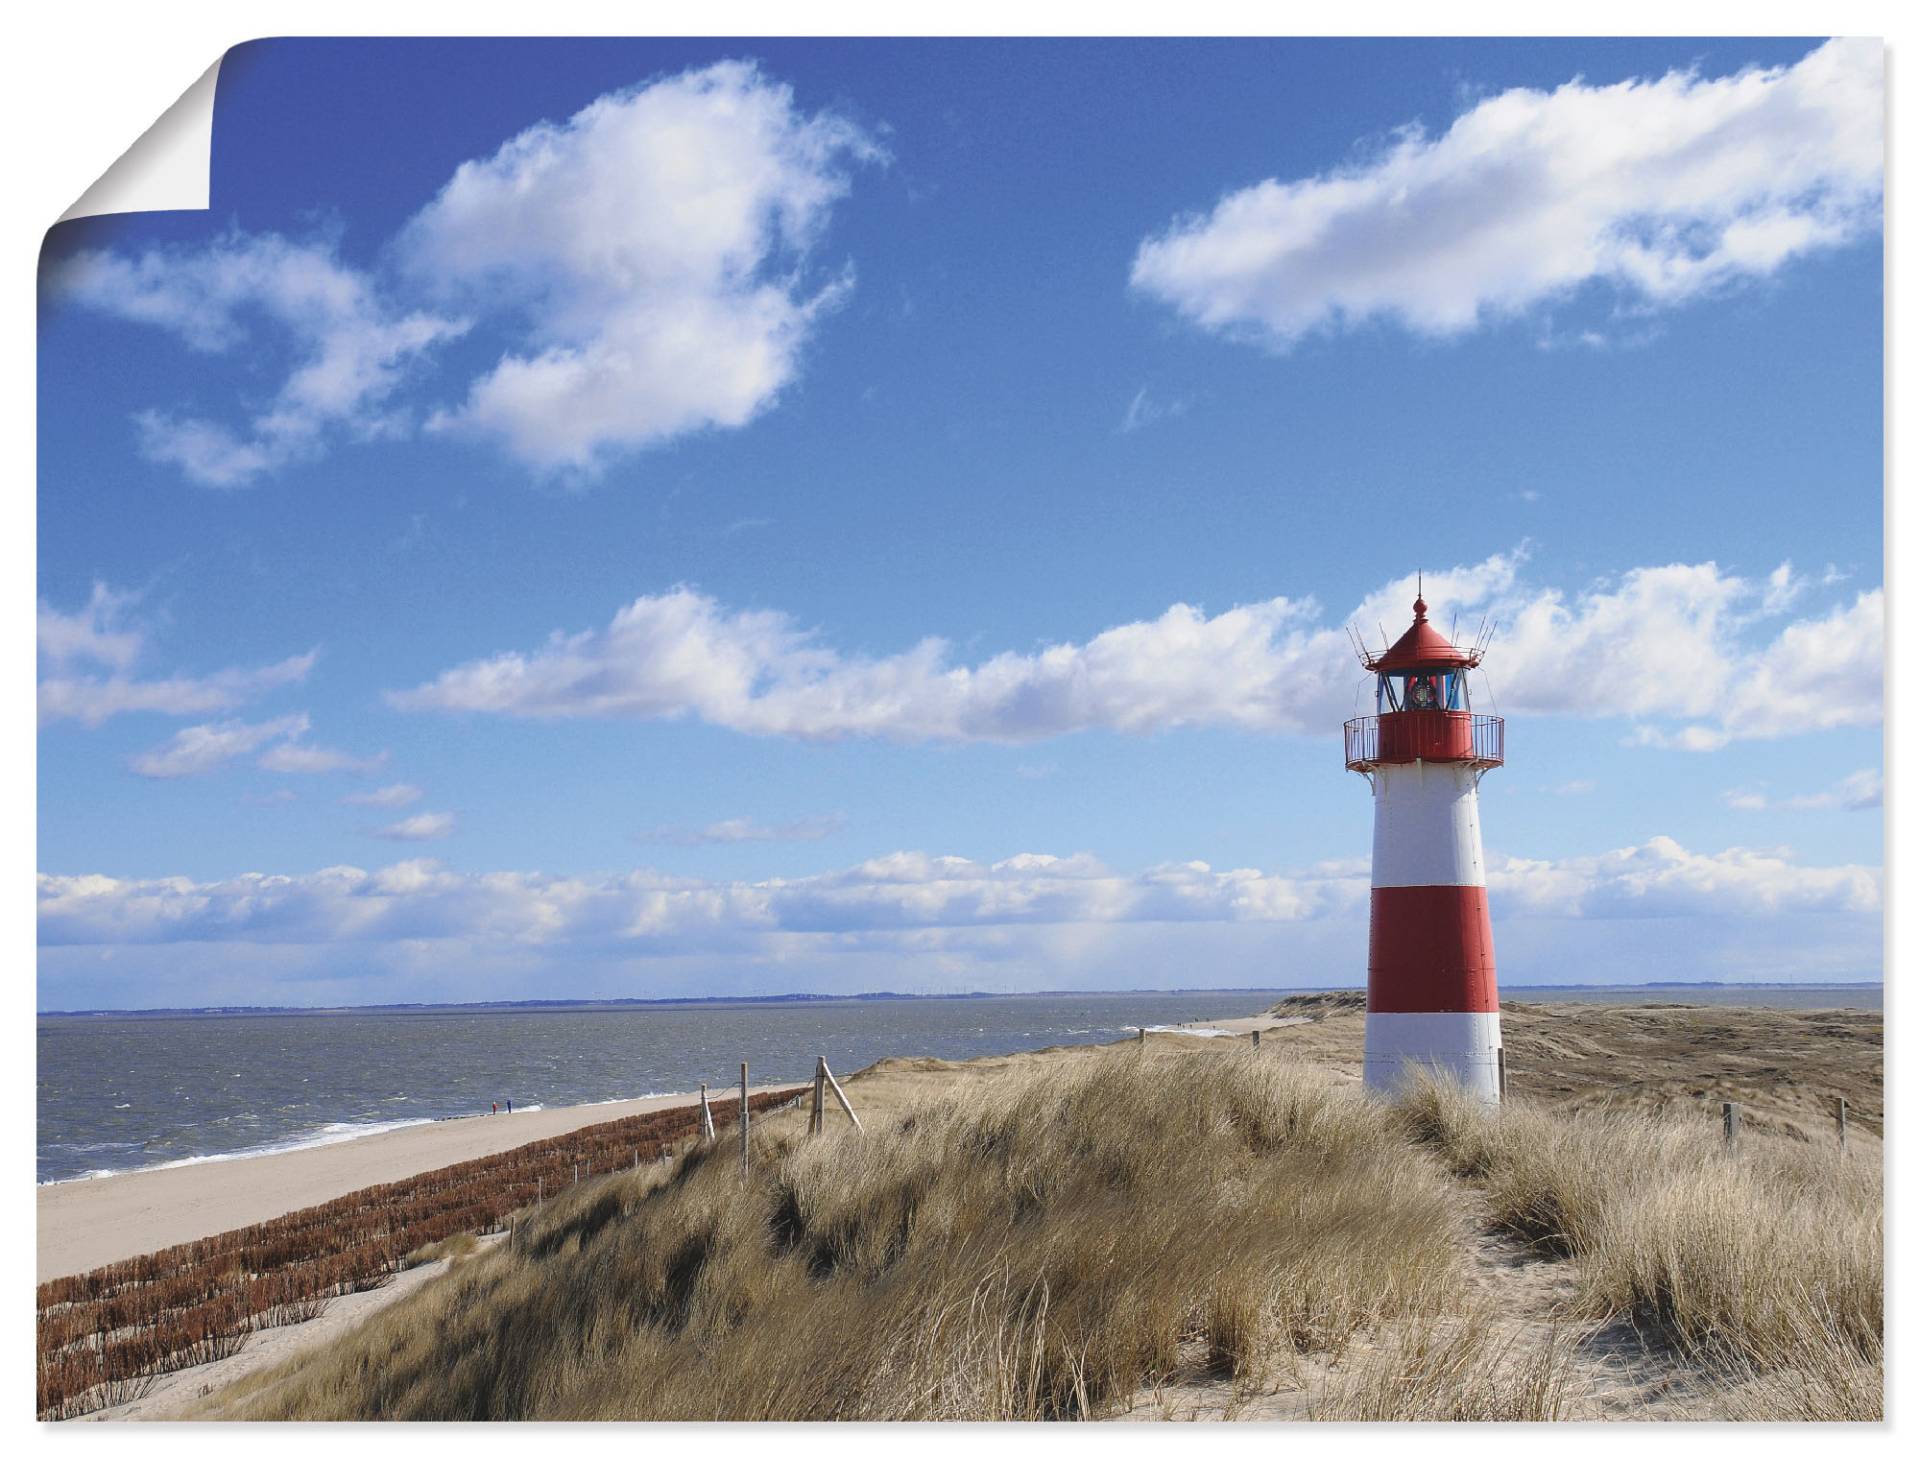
170, 167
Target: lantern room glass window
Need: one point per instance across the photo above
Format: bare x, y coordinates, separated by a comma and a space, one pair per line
1422, 688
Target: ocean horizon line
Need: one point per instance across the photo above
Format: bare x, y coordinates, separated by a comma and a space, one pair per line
576, 1004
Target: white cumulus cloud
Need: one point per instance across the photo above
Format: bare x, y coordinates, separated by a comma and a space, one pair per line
682, 653
93, 699
97, 633
1862, 790
350, 347
1661, 190
653, 246
1683, 649
88, 660
1663, 878
900, 895
648, 264
202, 747
428, 825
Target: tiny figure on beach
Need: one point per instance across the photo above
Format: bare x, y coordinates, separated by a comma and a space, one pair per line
496, 1106
509, 1106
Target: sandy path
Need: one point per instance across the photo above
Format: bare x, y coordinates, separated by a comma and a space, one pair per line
86, 1223
1605, 1369
1601, 1370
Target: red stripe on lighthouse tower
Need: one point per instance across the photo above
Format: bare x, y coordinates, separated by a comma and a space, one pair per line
1431, 951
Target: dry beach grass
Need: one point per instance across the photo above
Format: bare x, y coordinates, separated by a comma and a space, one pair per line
1763, 1264
1037, 1246
1184, 1229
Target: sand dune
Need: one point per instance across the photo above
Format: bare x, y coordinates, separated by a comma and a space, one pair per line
1786, 1067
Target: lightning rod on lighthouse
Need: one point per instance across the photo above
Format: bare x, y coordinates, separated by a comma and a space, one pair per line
1432, 1001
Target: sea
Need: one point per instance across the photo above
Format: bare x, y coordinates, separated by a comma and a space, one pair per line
128, 1091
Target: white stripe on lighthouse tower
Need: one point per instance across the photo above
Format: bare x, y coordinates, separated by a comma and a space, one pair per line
1431, 999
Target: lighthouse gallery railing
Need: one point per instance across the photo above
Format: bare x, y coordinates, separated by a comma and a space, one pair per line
1477, 739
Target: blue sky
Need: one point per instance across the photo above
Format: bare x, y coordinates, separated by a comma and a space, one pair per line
729, 536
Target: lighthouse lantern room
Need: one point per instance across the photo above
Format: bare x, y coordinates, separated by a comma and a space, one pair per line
1431, 997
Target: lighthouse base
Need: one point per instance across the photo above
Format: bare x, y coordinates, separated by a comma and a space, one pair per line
1461, 1046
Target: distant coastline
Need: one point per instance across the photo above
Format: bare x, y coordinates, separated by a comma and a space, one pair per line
588, 1004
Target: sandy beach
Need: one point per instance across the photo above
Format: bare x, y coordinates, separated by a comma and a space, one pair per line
86, 1223
1230, 1027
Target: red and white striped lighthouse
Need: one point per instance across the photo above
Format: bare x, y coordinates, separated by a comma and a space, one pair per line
1431, 997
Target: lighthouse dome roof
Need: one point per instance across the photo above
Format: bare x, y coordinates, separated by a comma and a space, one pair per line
1421, 646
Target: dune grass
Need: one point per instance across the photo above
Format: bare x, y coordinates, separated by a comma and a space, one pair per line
1765, 1262
1064, 1237
451, 1248
1036, 1248
1463, 1368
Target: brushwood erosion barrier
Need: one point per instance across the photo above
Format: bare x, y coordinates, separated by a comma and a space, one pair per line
103, 1337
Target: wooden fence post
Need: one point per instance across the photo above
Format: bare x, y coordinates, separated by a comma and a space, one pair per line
1730, 1124
706, 1117
743, 1121
840, 1094
1840, 1120
1501, 1054
1256, 1040
817, 1121
1141, 1038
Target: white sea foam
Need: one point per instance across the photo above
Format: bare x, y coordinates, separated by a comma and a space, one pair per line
326, 1134
663, 1093
338, 1133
